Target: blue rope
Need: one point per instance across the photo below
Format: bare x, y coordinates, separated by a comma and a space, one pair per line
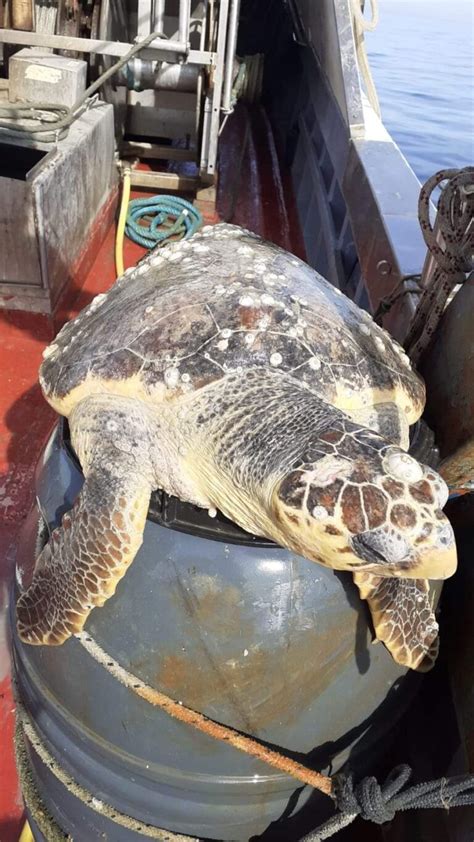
165, 217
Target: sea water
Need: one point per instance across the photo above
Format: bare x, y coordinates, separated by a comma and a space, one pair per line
422, 61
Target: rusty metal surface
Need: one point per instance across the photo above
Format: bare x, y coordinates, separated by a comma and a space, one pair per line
448, 369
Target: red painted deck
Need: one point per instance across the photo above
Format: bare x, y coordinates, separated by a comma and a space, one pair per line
252, 187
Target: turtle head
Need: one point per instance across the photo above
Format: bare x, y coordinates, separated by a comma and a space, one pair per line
355, 502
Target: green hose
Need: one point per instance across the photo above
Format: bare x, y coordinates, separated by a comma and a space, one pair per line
165, 217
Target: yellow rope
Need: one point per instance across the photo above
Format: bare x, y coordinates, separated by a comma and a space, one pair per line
119, 265
26, 834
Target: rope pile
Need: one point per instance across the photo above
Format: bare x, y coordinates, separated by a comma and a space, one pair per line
451, 245
165, 217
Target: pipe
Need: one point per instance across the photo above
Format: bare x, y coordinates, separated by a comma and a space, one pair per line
142, 75
229, 62
183, 22
119, 265
159, 15
94, 45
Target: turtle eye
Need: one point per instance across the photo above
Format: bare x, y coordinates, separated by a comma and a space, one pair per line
403, 467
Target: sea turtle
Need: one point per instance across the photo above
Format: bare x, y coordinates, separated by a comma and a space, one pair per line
227, 372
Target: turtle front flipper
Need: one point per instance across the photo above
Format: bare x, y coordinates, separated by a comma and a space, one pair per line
403, 618
98, 539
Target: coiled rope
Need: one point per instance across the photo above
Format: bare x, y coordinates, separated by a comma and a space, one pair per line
165, 217
379, 804
451, 245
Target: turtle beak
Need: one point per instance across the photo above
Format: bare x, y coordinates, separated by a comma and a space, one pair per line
434, 558
439, 559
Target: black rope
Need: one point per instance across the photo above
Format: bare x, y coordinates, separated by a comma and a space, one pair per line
386, 304
379, 804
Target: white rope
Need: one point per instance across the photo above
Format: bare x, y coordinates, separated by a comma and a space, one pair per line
361, 25
88, 798
367, 25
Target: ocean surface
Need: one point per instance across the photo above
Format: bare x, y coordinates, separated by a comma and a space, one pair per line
422, 61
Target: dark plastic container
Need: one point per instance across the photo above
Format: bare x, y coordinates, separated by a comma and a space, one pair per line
248, 633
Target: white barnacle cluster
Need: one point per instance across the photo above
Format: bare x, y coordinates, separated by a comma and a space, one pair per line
142, 268
50, 350
222, 231
156, 260
297, 299
232, 231
319, 513
403, 467
404, 358
171, 377
379, 343
96, 302
245, 251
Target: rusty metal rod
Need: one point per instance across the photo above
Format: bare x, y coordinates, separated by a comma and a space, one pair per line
202, 723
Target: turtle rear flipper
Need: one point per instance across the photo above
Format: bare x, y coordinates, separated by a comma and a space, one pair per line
403, 618
98, 539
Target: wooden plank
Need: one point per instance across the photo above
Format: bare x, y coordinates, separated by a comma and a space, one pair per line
155, 151
165, 181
